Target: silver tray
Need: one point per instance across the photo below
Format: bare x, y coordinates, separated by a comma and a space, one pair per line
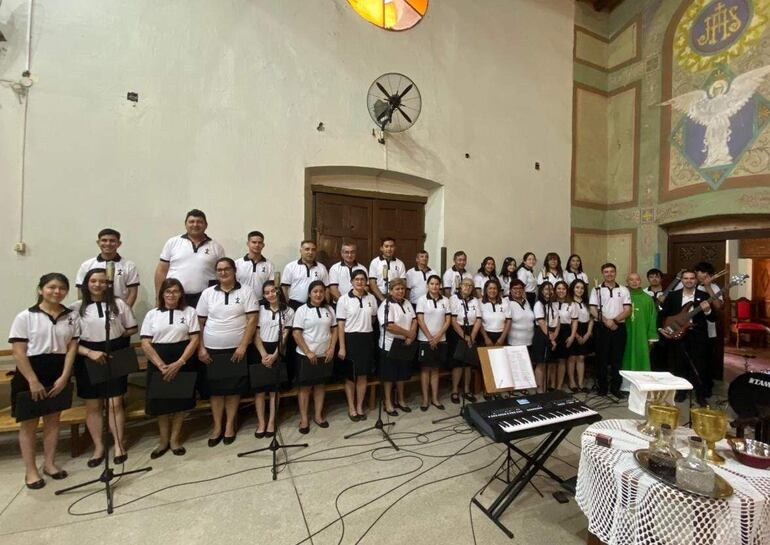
722, 488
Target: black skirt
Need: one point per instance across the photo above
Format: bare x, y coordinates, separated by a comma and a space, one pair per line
270, 347
358, 355
541, 347
47, 367
578, 349
392, 370
228, 386
169, 353
308, 374
562, 352
112, 388
427, 358
494, 336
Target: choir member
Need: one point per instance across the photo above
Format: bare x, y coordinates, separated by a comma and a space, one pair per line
228, 314
44, 341
273, 325
574, 270
356, 312
565, 335
190, 258
433, 321
417, 277
583, 344
96, 303
400, 323
507, 273
552, 271
385, 268
495, 317
454, 275
525, 273
341, 273
170, 337
655, 280
126, 283
254, 269
298, 275
465, 319
487, 271
546, 329
610, 306
522, 316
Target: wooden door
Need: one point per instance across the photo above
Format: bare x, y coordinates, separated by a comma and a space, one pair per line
403, 221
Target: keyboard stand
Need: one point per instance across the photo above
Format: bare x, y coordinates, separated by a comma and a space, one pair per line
505, 468
535, 463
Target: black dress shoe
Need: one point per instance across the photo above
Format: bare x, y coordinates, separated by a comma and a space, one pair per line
259, 434
37, 485
269, 433
117, 460
361, 417
470, 397
394, 412
95, 462
439, 406
424, 408
455, 398
305, 430
58, 476
403, 408
353, 417
181, 451
228, 440
324, 424
574, 390
158, 452
214, 442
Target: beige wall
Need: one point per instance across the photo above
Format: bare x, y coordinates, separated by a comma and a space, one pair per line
230, 94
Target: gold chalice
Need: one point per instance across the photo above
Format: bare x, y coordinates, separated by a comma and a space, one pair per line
663, 413
711, 426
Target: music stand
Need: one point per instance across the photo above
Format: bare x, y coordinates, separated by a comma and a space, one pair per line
275, 444
108, 474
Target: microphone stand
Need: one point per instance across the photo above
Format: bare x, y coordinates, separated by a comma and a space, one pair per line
379, 424
108, 474
275, 445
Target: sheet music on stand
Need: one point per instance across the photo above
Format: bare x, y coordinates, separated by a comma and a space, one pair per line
510, 368
643, 382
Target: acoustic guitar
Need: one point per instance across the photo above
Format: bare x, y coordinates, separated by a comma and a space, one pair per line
675, 327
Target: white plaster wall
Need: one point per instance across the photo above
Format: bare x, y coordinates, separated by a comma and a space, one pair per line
230, 94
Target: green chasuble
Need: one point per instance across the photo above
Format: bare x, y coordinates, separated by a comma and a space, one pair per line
641, 327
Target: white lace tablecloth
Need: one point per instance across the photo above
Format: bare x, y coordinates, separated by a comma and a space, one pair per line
624, 505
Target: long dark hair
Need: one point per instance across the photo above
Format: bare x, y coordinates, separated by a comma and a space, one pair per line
568, 296
488, 283
572, 290
482, 269
314, 284
51, 277
504, 269
549, 256
540, 296
580, 267
282, 305
523, 263
108, 298
171, 283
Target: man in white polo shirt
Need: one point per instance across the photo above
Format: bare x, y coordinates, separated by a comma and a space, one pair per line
254, 269
190, 258
417, 277
340, 272
455, 274
298, 275
126, 284
385, 266
610, 306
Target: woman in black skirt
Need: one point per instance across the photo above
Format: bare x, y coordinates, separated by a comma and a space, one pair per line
546, 329
356, 312
400, 323
465, 326
44, 340
315, 332
227, 314
565, 337
495, 318
433, 319
97, 300
274, 315
583, 344
170, 337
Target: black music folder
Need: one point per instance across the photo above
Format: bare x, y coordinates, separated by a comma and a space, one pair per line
401, 351
428, 356
222, 367
182, 387
317, 373
27, 409
122, 362
467, 354
261, 375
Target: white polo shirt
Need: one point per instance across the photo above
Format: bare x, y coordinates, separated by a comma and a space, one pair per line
494, 315
316, 324
583, 312
453, 278
299, 276
43, 333
505, 284
565, 311
417, 282
92, 322
434, 312
543, 312
528, 277
547, 277
480, 279
570, 277
126, 275
254, 273
270, 321
402, 314
522, 323
340, 273
610, 301
395, 266
193, 266
226, 314
357, 312
170, 326
653, 294
465, 312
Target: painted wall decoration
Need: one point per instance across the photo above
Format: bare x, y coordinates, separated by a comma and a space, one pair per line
391, 14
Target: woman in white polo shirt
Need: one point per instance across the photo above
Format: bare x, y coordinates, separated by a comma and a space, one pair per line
522, 318
546, 329
583, 344
566, 332
495, 319
507, 273
315, 332
227, 314
92, 308
487, 271
465, 326
574, 270
44, 340
433, 319
356, 312
526, 274
552, 271
170, 337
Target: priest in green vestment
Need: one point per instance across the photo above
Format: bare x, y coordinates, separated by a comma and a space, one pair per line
641, 326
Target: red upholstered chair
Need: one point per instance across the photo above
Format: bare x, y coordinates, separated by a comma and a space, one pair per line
743, 323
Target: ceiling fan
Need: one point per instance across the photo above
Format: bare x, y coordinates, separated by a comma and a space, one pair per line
394, 102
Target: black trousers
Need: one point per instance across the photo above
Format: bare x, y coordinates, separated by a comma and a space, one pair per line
691, 359
610, 346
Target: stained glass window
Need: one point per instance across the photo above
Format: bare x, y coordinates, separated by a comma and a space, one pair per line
391, 14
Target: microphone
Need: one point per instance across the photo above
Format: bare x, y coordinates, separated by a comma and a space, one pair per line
277, 280
110, 271
385, 272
